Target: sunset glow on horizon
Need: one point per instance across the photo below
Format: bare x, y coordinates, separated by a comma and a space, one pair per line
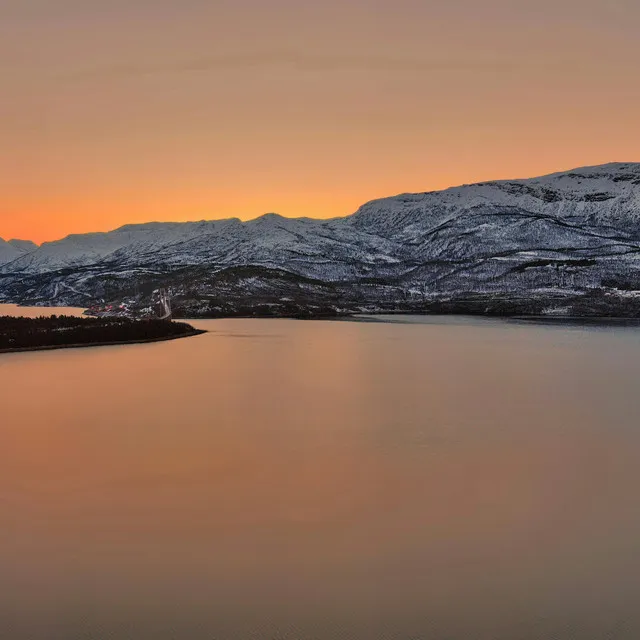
128, 112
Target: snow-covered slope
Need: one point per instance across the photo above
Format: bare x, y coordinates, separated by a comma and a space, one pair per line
26, 246
607, 197
14, 249
8, 252
313, 247
570, 229
91, 248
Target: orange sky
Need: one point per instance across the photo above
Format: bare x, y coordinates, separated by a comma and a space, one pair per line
137, 110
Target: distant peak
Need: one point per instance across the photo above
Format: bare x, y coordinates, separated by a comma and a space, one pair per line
267, 218
23, 245
270, 216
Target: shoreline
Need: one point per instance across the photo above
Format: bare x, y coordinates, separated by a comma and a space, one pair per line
83, 345
357, 316
592, 320
377, 317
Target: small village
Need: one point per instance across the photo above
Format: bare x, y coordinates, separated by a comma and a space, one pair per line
159, 307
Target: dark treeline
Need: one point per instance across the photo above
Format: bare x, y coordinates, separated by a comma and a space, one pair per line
51, 331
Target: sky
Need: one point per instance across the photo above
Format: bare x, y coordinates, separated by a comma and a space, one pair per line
138, 110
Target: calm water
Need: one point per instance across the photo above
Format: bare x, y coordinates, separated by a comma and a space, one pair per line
427, 479
34, 312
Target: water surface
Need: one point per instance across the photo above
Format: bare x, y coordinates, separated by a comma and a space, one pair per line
430, 478
35, 312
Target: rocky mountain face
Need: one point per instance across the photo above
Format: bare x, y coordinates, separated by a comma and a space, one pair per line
564, 243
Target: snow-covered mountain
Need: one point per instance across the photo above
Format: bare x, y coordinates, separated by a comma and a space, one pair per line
8, 252
13, 249
567, 232
311, 247
26, 246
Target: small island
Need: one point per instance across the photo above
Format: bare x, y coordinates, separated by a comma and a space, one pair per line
60, 332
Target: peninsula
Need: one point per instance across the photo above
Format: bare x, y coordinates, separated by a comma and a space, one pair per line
60, 332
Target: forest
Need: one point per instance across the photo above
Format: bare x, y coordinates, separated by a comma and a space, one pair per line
18, 333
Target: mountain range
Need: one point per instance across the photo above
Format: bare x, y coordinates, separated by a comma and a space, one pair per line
566, 243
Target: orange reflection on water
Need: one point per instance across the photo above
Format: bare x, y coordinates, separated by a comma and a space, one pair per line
330, 478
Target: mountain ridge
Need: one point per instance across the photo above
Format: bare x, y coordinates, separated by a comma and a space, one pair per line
152, 223
567, 234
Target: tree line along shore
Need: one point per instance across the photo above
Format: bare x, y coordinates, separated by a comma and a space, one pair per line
59, 331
